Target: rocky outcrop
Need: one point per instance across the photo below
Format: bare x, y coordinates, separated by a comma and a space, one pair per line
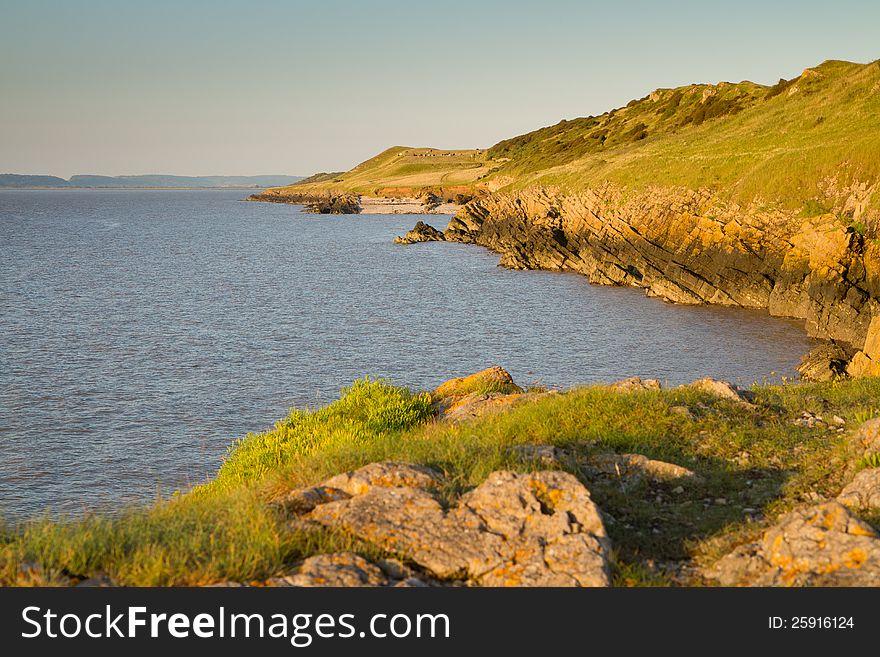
346, 569
317, 203
536, 529
866, 440
722, 390
867, 361
635, 383
421, 232
688, 246
826, 362
489, 391
823, 545
863, 492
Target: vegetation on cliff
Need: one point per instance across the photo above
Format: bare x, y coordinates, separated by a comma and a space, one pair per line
792, 444
785, 144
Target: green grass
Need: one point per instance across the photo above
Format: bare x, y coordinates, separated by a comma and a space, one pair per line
755, 459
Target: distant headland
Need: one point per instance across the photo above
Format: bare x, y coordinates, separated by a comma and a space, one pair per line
13, 180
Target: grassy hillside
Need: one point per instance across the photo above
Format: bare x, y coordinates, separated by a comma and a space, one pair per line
402, 171
754, 462
744, 141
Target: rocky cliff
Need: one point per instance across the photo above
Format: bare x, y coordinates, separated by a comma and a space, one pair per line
688, 246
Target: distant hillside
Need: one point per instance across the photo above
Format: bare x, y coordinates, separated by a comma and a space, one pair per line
16, 180
743, 141
146, 181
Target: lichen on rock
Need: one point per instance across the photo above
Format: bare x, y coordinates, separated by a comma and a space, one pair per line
536, 529
824, 545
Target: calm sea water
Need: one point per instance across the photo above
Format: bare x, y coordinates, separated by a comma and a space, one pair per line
142, 331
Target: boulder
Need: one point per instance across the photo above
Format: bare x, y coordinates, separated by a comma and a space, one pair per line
634, 467
491, 380
722, 390
863, 492
824, 545
536, 529
827, 362
468, 407
867, 438
421, 232
337, 569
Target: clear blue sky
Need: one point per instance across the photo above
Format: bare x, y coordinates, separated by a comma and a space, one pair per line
253, 87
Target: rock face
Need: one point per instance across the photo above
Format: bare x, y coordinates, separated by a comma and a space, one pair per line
421, 232
867, 361
863, 492
692, 247
820, 546
537, 529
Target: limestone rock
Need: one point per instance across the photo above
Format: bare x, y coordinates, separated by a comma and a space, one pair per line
722, 390
867, 361
823, 545
635, 383
689, 246
537, 529
421, 232
306, 499
863, 492
468, 407
334, 204
387, 474
867, 438
636, 466
342, 486
827, 362
337, 569
494, 379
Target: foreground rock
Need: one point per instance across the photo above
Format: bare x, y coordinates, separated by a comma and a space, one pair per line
537, 529
349, 570
823, 545
421, 232
863, 492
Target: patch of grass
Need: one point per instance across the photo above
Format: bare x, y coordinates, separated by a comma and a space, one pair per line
368, 411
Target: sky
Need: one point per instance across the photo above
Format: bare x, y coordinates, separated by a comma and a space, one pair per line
194, 87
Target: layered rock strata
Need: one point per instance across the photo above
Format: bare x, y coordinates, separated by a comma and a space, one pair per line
687, 246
